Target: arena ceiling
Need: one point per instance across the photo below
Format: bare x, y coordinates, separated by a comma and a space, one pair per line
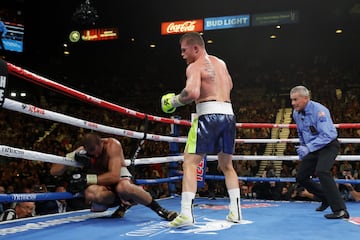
48, 25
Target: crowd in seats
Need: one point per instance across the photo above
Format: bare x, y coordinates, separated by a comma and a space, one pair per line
335, 87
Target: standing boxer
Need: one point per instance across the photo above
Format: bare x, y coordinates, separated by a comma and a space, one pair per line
209, 85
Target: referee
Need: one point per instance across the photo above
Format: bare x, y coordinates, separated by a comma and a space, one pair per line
318, 150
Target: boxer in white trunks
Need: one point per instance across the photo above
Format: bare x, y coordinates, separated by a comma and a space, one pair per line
208, 84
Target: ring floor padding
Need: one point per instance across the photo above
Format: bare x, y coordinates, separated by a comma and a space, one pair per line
262, 220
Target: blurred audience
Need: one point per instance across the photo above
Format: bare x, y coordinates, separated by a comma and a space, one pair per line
336, 86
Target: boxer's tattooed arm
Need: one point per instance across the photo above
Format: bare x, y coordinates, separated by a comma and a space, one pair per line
184, 97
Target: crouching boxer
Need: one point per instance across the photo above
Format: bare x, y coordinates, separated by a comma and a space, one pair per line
105, 180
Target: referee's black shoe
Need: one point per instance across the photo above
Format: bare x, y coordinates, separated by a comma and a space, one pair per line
338, 215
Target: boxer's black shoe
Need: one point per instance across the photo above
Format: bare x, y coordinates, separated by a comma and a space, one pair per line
338, 215
322, 207
168, 215
120, 211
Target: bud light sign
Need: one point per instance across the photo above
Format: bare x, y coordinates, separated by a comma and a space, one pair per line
227, 22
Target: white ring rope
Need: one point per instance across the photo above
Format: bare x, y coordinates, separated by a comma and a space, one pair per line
291, 140
50, 115
58, 117
36, 156
45, 157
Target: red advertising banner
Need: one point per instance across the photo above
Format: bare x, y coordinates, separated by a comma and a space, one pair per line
180, 27
99, 34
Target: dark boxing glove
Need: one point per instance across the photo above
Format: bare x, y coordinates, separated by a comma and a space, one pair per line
82, 157
79, 182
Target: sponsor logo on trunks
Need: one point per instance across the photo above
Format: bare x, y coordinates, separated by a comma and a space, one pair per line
200, 172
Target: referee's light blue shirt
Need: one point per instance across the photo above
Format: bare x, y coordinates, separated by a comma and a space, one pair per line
315, 126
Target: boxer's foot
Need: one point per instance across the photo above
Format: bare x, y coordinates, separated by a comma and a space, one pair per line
181, 221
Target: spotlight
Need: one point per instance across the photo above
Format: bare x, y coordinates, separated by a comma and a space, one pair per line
86, 14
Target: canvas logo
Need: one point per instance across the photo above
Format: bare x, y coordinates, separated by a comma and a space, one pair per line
208, 226
222, 207
204, 226
49, 223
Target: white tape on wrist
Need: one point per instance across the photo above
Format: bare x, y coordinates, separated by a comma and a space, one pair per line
71, 155
91, 179
175, 102
124, 173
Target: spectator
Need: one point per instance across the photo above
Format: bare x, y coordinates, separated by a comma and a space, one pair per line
2, 191
3, 32
354, 191
301, 194
348, 191
269, 190
21, 210
52, 206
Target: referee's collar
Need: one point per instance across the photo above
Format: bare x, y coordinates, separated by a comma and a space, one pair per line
306, 110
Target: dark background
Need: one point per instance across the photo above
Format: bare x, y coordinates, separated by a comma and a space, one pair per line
127, 63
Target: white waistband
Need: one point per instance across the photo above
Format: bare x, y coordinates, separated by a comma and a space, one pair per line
211, 107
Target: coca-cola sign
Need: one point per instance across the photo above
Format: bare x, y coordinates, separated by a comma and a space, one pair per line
180, 27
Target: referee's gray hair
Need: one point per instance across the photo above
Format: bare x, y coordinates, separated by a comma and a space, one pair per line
301, 90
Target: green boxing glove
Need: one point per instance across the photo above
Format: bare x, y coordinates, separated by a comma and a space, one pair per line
169, 102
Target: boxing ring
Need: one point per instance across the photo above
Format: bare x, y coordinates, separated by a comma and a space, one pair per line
263, 219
